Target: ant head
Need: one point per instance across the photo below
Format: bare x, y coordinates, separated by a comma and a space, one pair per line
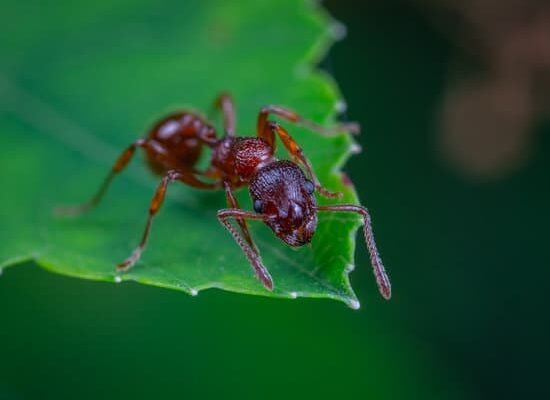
281, 192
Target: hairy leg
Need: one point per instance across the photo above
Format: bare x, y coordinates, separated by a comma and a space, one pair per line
233, 203
253, 257
382, 279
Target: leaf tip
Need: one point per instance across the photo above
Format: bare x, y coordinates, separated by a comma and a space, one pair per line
355, 148
338, 30
340, 106
354, 304
349, 267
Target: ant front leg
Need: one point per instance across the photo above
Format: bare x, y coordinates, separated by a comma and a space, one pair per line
297, 153
233, 203
171, 176
118, 166
253, 257
224, 102
291, 116
382, 279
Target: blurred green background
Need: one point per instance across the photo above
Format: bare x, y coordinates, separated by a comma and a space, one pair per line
466, 253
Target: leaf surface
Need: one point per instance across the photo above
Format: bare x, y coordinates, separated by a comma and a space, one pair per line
78, 83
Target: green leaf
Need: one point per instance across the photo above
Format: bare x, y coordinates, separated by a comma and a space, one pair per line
79, 82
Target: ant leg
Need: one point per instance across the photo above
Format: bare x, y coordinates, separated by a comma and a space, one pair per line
118, 166
297, 153
382, 280
233, 203
224, 102
291, 116
253, 257
156, 203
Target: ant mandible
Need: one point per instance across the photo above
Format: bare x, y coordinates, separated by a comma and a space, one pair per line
282, 194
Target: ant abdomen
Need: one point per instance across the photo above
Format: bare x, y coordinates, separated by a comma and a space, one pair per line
176, 141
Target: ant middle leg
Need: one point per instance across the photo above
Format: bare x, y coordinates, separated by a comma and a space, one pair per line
253, 256
117, 167
224, 102
273, 128
291, 116
186, 177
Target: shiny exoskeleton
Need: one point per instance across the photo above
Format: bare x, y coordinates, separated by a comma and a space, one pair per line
282, 191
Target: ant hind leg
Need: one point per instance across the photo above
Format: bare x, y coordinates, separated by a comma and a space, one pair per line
118, 166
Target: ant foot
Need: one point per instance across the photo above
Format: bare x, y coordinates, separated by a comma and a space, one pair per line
265, 278
130, 261
70, 211
352, 127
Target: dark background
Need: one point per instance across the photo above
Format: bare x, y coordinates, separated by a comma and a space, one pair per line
466, 252
473, 272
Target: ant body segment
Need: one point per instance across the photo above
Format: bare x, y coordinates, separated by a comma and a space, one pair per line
283, 195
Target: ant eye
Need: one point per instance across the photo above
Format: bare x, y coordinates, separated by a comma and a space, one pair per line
258, 206
310, 187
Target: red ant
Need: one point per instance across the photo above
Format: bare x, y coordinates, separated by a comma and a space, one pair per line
282, 194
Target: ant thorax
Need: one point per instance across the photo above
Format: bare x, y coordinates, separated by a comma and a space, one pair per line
241, 157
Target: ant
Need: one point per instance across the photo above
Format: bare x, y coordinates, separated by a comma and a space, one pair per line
282, 193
